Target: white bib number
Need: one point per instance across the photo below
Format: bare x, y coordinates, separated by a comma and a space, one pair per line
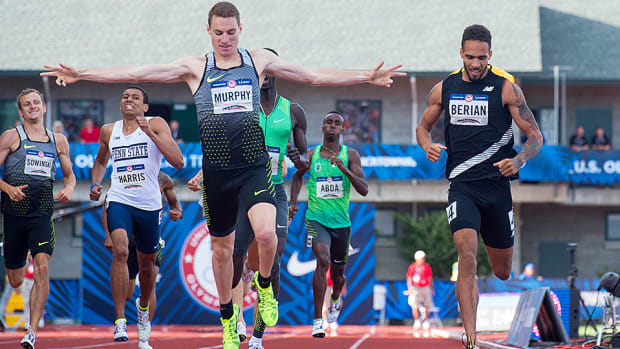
274, 157
39, 163
132, 176
329, 187
232, 96
469, 110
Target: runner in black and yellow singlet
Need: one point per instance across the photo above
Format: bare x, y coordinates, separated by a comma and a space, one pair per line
481, 103
334, 168
28, 153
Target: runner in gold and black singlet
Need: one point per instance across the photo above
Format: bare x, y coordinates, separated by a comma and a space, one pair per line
481, 102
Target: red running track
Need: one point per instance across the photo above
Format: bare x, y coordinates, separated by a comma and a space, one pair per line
207, 337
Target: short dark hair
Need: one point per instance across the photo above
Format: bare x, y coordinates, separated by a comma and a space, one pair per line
145, 97
223, 9
272, 50
476, 32
28, 91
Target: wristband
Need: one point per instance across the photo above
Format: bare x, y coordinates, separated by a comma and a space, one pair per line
94, 184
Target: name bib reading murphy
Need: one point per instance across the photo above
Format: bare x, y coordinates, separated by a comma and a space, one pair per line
39, 163
274, 156
131, 176
232, 96
468, 109
329, 187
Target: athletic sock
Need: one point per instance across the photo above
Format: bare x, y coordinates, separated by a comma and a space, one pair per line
227, 310
263, 282
259, 327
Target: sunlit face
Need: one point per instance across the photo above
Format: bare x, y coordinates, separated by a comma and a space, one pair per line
333, 127
224, 32
31, 107
132, 103
476, 55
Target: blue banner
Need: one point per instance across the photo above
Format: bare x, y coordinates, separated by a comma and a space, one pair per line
186, 293
406, 162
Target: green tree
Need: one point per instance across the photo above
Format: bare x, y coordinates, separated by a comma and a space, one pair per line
431, 233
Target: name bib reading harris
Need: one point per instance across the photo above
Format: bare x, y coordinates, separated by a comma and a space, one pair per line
329, 187
468, 109
232, 96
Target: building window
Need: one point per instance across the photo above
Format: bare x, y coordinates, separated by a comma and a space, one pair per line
362, 120
72, 114
8, 114
613, 227
385, 224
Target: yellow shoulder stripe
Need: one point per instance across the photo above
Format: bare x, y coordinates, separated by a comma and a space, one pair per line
503, 74
457, 71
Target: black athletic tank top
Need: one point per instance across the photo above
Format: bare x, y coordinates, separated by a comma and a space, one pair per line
478, 128
228, 106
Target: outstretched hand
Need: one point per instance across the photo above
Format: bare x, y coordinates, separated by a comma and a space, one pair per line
65, 74
383, 77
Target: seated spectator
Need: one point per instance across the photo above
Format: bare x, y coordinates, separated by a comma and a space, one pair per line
600, 140
90, 132
529, 273
578, 141
58, 127
176, 132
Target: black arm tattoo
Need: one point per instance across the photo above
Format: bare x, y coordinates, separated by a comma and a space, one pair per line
534, 138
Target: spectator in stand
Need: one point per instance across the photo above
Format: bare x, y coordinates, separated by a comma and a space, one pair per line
578, 141
58, 127
176, 132
529, 273
600, 140
420, 289
90, 132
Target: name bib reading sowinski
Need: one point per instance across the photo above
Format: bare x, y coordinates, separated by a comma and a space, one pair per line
468, 109
39, 163
232, 96
329, 187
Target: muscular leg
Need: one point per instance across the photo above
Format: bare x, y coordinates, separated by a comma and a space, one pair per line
147, 277
263, 221
338, 279
466, 241
501, 261
16, 276
119, 274
319, 281
222, 265
237, 291
41, 288
275, 270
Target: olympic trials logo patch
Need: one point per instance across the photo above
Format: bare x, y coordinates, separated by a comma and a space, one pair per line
197, 270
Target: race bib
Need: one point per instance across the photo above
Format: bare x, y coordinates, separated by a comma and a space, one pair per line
39, 163
132, 176
329, 187
469, 110
232, 96
274, 157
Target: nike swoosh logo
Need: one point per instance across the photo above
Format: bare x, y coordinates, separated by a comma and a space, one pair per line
258, 192
353, 250
29, 146
276, 121
43, 243
296, 267
280, 226
213, 79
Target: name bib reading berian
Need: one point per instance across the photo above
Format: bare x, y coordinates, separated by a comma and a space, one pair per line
39, 163
468, 109
329, 187
232, 96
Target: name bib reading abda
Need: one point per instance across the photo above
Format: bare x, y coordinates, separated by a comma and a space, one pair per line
39, 163
232, 96
329, 187
468, 109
